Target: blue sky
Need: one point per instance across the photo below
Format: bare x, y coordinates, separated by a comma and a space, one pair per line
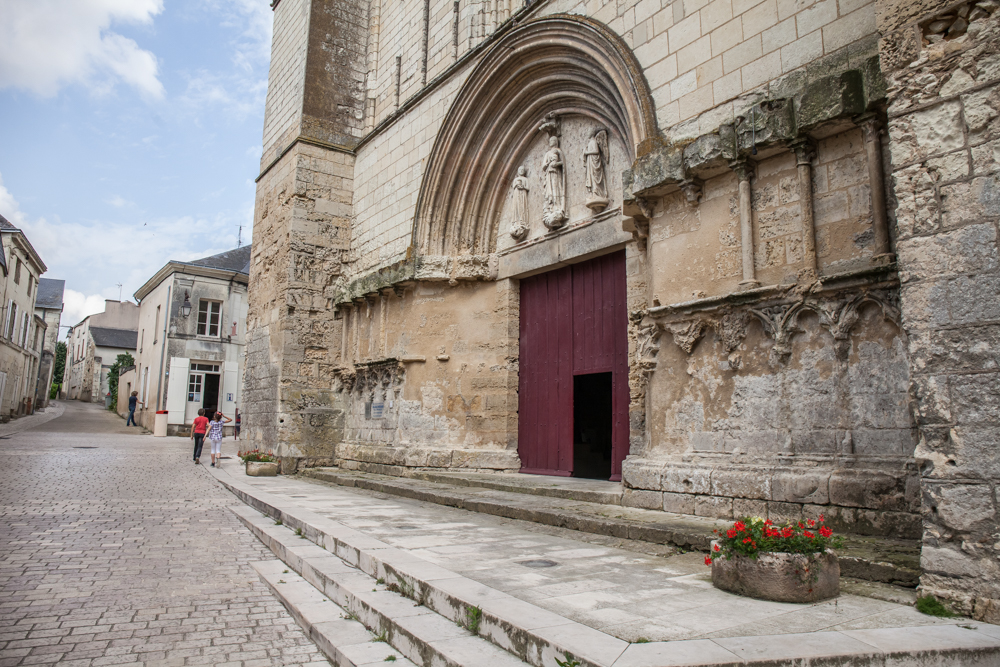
130, 134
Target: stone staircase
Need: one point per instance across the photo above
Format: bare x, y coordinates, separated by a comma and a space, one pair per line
365, 603
595, 507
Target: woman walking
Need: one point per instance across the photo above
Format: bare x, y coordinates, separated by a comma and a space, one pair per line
198, 429
215, 436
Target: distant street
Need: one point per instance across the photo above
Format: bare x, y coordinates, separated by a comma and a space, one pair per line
116, 549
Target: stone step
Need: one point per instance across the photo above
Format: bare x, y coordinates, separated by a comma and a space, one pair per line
345, 641
538, 636
879, 559
414, 630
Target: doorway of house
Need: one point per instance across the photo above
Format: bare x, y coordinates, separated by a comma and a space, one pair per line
204, 383
593, 425
211, 394
573, 370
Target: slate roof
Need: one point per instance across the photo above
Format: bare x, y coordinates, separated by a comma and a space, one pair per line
5, 223
232, 260
50, 293
120, 338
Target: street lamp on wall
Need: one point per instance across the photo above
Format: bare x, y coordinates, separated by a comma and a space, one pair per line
186, 306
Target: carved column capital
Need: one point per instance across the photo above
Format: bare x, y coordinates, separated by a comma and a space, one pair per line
745, 170
805, 150
871, 125
691, 187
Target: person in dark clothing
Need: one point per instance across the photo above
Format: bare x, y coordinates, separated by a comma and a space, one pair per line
133, 400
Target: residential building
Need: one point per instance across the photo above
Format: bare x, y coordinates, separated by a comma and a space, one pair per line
22, 332
192, 325
93, 345
48, 307
731, 257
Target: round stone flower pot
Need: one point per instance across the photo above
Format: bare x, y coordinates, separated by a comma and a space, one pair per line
780, 577
262, 469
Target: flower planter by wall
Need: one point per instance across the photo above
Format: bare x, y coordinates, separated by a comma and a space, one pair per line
781, 577
260, 469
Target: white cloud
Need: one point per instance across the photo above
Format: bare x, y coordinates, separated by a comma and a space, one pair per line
77, 306
47, 44
118, 201
93, 259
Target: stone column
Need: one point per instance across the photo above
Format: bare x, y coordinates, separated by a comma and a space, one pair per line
805, 151
872, 128
744, 171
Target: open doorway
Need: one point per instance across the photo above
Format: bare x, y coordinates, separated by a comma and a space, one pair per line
592, 425
211, 400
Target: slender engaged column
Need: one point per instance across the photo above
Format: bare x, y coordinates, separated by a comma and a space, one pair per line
872, 128
744, 170
805, 151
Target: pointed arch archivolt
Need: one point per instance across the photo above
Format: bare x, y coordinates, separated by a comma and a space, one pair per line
562, 64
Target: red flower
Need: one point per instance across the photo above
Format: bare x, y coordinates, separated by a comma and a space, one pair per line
787, 531
801, 525
715, 547
811, 523
746, 540
821, 517
825, 532
808, 534
739, 526
768, 522
708, 560
730, 533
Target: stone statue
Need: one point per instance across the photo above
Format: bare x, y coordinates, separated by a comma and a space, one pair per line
519, 204
595, 156
554, 208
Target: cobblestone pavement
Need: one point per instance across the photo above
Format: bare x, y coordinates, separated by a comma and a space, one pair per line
116, 549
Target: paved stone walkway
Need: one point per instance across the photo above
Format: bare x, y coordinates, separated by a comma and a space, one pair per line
585, 578
115, 549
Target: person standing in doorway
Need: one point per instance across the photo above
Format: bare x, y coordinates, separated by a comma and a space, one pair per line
215, 436
133, 400
236, 426
198, 429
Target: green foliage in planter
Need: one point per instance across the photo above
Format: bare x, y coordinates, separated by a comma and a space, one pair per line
930, 605
751, 536
257, 456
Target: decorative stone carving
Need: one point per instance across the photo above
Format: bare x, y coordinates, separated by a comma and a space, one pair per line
554, 177
595, 157
647, 346
691, 188
686, 334
519, 204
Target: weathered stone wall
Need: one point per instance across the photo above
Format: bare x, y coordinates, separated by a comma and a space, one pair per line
438, 365
301, 224
944, 131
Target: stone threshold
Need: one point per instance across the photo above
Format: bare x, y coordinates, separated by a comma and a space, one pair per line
589, 506
344, 563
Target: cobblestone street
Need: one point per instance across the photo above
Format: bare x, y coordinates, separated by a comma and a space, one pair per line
115, 549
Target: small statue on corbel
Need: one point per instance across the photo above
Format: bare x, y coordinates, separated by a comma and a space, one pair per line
550, 125
519, 204
595, 158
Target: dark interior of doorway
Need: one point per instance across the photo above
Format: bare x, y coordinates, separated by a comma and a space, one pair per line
592, 426
211, 394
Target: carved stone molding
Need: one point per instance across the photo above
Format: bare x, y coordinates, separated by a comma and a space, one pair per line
365, 378
779, 316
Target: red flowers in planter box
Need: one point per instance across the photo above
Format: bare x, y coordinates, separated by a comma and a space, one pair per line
751, 536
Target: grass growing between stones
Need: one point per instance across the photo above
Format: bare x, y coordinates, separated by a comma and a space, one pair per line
930, 605
473, 617
570, 661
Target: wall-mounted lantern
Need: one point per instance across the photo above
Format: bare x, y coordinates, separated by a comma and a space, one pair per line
186, 306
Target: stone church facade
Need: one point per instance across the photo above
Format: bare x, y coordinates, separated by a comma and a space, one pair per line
740, 255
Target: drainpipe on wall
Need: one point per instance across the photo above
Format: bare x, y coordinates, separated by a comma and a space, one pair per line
163, 351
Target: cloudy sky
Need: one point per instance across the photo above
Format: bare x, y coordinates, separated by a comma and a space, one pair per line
130, 134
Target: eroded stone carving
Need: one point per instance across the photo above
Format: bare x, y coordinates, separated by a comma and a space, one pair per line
648, 345
554, 177
595, 157
686, 334
519, 204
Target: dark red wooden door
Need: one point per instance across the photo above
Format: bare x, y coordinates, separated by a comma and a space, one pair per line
573, 322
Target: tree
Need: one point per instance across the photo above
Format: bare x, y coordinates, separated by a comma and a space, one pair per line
122, 362
58, 368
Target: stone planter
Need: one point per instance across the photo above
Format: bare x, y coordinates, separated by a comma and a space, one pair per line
261, 469
779, 577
